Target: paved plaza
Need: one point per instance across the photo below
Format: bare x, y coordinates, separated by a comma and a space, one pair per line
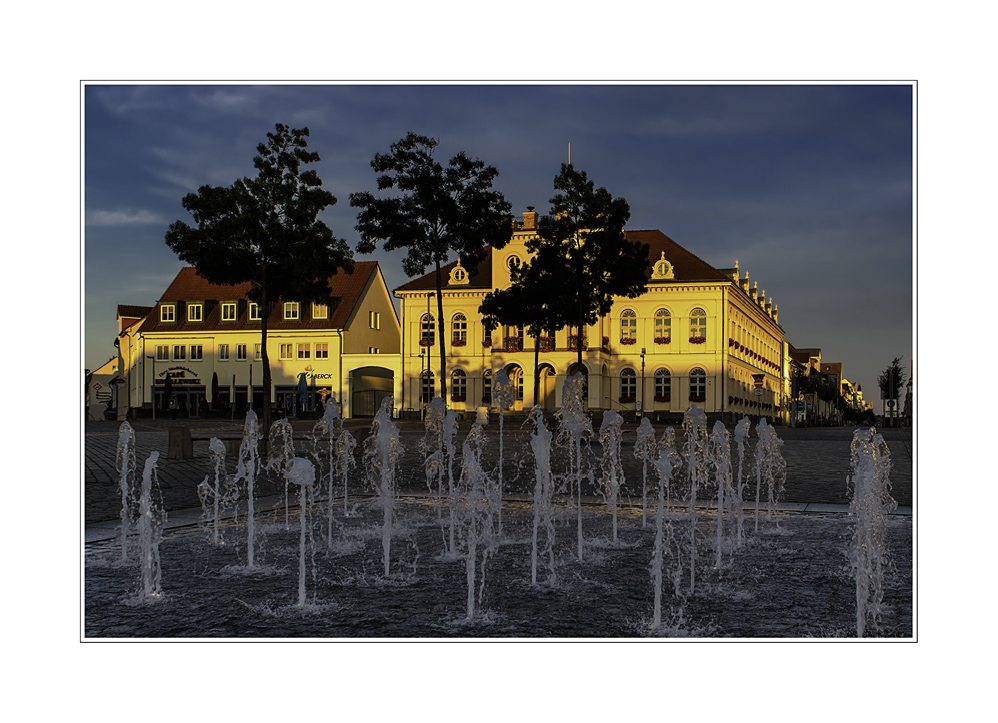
817, 463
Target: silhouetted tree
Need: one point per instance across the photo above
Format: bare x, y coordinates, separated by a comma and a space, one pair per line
584, 246
264, 230
439, 213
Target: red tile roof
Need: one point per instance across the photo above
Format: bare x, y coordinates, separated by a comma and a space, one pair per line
685, 265
189, 286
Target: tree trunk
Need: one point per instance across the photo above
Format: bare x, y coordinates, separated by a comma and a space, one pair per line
264, 313
537, 360
440, 335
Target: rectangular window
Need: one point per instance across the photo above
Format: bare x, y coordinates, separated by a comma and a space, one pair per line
374, 319
167, 312
240, 352
197, 352
373, 350
303, 350
179, 351
320, 311
228, 312
286, 351
321, 350
290, 310
223, 352
162, 353
194, 312
258, 352
254, 311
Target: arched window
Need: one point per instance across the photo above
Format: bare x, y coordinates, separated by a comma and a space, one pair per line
629, 326
427, 387
427, 330
487, 387
458, 386
459, 325
698, 326
663, 326
698, 385
663, 386
628, 386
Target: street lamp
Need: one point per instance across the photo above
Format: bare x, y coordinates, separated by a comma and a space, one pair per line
152, 392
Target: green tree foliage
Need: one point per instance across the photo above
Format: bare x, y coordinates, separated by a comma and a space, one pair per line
437, 212
265, 230
582, 243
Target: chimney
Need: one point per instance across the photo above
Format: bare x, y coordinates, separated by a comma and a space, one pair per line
529, 219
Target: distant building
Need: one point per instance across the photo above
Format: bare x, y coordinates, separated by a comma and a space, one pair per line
698, 335
198, 331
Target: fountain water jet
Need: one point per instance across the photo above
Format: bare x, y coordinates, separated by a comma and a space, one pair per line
540, 443
870, 485
613, 472
504, 394
151, 519
282, 451
770, 468
328, 426
741, 433
216, 492
644, 449
301, 472
720, 457
666, 464
573, 427
695, 430
247, 468
125, 464
382, 450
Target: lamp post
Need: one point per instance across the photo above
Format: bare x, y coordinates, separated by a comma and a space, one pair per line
152, 392
642, 380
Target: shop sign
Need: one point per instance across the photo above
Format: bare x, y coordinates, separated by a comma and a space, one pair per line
179, 375
310, 373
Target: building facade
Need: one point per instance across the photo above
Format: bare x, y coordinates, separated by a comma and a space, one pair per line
698, 335
205, 338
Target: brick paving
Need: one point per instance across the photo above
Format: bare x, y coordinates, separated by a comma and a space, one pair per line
817, 462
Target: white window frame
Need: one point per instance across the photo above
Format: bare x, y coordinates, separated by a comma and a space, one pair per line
168, 313
287, 351
663, 324
304, 350
374, 320
663, 383
320, 311
373, 350
698, 323
628, 324
321, 350
223, 352
199, 316
179, 352
291, 311
162, 352
229, 306
197, 352
254, 311
459, 327
257, 352
459, 384
240, 352
631, 383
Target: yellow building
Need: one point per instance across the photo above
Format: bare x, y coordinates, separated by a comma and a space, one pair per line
199, 331
698, 335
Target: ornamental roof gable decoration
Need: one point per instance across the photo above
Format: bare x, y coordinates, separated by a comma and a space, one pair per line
458, 275
662, 269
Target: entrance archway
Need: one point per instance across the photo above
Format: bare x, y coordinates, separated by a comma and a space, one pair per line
368, 387
515, 374
546, 387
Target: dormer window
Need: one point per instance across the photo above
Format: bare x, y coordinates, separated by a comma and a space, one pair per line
290, 310
320, 311
167, 312
662, 269
195, 312
228, 311
459, 275
254, 311
513, 262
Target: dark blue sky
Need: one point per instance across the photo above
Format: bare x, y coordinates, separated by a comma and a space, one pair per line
809, 187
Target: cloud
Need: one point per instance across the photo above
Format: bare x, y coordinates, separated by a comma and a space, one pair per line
123, 218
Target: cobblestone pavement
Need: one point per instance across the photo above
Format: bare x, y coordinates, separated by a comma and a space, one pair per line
817, 462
